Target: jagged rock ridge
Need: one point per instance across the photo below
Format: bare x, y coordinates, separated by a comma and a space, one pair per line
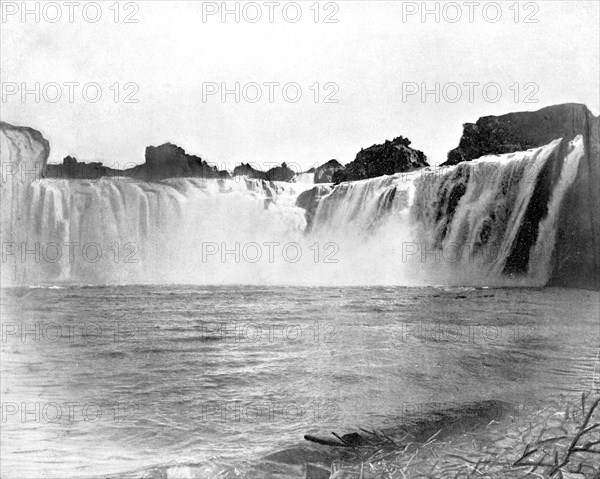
325, 172
162, 162
519, 131
391, 157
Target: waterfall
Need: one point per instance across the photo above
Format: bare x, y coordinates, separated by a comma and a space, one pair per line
120, 230
454, 225
540, 264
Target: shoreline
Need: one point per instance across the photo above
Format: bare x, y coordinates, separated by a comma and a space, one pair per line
491, 439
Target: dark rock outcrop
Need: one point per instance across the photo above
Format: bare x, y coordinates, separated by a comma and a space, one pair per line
324, 173
309, 201
167, 161
281, 173
71, 168
577, 253
391, 157
171, 161
278, 173
162, 162
495, 135
245, 169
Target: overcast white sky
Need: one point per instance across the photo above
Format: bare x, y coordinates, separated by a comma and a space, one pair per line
369, 54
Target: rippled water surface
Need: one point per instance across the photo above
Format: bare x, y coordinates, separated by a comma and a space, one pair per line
113, 380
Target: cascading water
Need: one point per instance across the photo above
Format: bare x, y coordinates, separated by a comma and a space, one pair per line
455, 225
119, 230
539, 266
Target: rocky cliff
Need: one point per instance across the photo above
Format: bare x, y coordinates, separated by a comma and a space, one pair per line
309, 201
245, 169
281, 173
325, 172
391, 157
171, 161
162, 162
520, 131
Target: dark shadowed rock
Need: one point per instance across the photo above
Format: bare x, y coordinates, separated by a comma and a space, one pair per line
495, 135
391, 157
324, 173
171, 161
245, 169
166, 161
280, 173
162, 162
309, 200
72, 169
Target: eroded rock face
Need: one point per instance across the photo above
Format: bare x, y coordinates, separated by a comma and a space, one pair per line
281, 173
71, 169
577, 252
162, 162
577, 255
391, 157
171, 161
495, 135
325, 172
245, 169
309, 200
167, 160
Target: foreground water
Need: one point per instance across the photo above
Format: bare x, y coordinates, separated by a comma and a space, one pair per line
190, 380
